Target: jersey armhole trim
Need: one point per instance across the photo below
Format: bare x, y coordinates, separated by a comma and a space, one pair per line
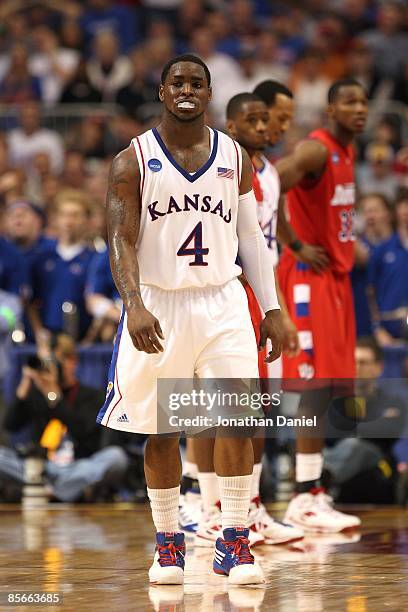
238, 166
142, 169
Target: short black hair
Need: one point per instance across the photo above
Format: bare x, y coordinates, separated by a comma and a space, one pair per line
268, 90
337, 85
235, 104
369, 342
185, 57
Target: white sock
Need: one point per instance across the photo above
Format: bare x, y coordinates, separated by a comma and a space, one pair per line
189, 469
164, 504
235, 492
209, 489
256, 479
308, 466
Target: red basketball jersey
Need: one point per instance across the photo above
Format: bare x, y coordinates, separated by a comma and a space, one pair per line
322, 211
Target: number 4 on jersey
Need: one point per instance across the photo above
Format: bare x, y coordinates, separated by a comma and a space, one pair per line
197, 251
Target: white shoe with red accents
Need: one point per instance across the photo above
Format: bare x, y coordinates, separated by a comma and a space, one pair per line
274, 532
209, 530
313, 512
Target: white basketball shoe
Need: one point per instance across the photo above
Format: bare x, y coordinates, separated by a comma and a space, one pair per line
274, 532
209, 530
314, 513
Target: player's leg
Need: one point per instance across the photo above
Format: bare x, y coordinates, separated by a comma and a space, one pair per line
163, 475
190, 497
316, 308
230, 352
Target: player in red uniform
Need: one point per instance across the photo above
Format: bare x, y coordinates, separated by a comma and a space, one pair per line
319, 179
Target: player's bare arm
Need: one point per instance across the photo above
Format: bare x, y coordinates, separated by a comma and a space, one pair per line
123, 217
307, 161
271, 326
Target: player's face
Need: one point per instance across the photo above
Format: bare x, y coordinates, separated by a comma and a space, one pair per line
185, 92
350, 109
71, 221
250, 127
280, 118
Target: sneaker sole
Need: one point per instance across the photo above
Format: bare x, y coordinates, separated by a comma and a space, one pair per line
322, 530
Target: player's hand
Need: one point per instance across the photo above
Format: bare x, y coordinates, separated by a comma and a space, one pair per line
315, 256
291, 346
272, 328
145, 331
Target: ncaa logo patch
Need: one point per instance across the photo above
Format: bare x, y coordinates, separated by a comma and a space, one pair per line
154, 164
109, 388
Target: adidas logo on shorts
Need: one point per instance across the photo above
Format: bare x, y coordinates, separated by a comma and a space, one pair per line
123, 418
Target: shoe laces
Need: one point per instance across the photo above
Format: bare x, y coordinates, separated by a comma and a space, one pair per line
240, 548
324, 502
168, 554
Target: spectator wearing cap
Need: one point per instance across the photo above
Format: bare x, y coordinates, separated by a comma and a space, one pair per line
30, 138
376, 216
377, 173
59, 271
24, 225
388, 281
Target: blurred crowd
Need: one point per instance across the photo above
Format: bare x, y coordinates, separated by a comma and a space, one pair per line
79, 79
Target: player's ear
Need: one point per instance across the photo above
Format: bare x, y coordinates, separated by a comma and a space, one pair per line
231, 128
161, 92
210, 94
330, 111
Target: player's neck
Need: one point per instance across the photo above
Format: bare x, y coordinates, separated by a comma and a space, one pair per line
344, 137
256, 157
182, 134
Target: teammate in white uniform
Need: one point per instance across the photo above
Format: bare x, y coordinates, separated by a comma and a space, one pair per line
247, 122
180, 208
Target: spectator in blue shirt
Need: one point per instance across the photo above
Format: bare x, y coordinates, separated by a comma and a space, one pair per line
59, 272
106, 15
102, 297
377, 227
388, 280
24, 223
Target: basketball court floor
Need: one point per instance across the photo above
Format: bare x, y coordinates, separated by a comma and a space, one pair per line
97, 557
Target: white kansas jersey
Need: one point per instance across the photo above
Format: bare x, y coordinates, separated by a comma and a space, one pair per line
268, 209
188, 226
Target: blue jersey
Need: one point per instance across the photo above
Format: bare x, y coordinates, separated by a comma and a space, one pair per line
13, 269
55, 281
100, 278
388, 274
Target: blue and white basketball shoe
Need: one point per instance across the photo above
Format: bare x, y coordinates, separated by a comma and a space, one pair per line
234, 559
168, 563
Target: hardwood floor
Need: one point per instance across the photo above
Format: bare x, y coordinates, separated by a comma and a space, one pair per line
98, 557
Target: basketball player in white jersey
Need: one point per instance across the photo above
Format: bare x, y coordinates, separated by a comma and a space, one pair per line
248, 122
180, 209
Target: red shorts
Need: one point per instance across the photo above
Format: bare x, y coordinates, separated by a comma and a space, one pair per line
321, 306
256, 318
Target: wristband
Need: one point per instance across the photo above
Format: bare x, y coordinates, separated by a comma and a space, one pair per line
295, 245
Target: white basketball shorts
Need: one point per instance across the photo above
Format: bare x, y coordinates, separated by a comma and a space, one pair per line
207, 333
